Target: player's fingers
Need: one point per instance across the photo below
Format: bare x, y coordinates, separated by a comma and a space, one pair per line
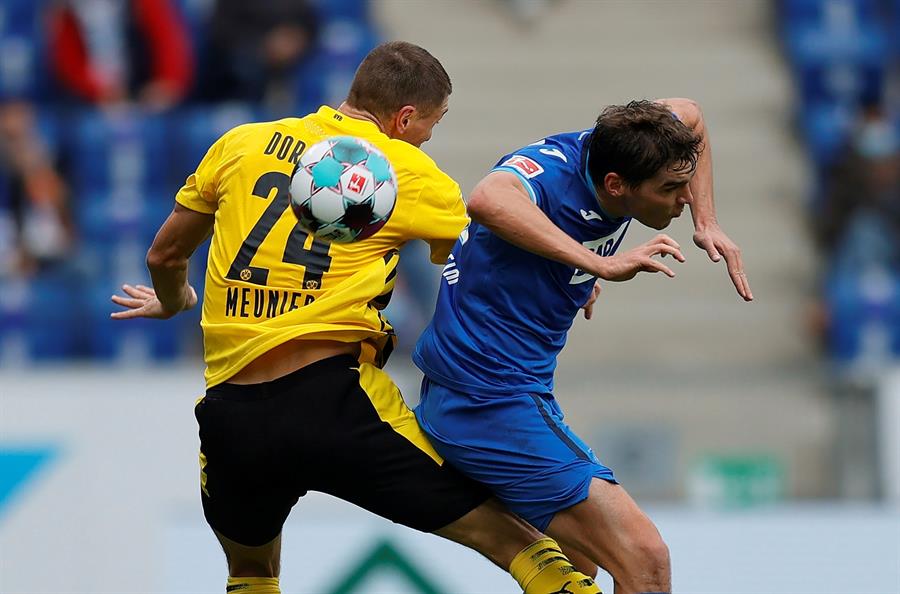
128, 314
652, 265
135, 292
707, 244
139, 291
588, 310
664, 249
736, 270
743, 286
148, 290
126, 302
663, 238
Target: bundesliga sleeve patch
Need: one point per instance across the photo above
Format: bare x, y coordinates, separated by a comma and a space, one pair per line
528, 167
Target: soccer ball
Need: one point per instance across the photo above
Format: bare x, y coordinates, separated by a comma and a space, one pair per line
343, 189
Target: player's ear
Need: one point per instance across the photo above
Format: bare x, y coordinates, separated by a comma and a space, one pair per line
403, 117
614, 184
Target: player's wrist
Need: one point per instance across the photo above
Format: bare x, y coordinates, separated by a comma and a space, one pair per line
185, 300
703, 223
603, 267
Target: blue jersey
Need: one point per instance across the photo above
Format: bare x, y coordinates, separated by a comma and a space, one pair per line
503, 313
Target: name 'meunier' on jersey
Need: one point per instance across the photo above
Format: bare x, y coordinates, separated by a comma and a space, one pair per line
503, 313
267, 280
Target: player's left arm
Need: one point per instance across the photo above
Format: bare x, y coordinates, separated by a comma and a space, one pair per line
167, 260
707, 233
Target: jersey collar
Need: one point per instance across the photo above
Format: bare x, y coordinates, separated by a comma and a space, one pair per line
351, 125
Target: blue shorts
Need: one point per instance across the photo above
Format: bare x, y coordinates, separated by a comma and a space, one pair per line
517, 445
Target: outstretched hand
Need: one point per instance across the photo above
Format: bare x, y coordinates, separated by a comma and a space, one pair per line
625, 266
718, 245
143, 303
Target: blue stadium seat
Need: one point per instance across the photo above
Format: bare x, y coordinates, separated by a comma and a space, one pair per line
23, 74
325, 77
865, 318
43, 315
352, 10
107, 217
119, 151
196, 129
895, 29
836, 12
844, 65
826, 127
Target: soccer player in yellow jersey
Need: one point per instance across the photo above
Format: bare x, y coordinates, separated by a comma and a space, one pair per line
294, 338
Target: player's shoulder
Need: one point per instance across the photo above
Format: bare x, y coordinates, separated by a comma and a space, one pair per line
255, 132
553, 156
410, 161
265, 128
405, 154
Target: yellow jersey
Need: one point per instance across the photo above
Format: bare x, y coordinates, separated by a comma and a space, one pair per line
267, 280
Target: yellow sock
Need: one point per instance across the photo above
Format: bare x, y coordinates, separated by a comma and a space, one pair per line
542, 568
252, 585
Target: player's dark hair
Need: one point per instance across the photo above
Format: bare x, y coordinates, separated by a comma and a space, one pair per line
637, 140
398, 73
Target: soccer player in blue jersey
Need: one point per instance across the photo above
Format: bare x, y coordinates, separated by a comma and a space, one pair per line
546, 223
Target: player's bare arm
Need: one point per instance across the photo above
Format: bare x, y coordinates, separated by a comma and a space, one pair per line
167, 261
708, 235
500, 203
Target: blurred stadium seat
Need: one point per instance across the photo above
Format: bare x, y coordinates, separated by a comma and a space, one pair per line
21, 50
840, 52
124, 166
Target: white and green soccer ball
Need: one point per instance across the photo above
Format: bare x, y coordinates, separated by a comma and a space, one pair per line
343, 189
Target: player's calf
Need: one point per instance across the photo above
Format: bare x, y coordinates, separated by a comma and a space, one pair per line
542, 568
539, 568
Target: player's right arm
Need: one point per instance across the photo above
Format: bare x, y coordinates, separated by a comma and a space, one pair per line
189, 225
501, 203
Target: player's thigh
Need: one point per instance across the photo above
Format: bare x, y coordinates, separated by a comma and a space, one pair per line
245, 492
611, 530
381, 460
517, 445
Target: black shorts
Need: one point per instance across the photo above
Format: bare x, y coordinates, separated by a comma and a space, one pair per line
334, 426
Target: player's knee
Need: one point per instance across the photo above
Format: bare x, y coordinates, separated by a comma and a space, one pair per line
657, 555
650, 559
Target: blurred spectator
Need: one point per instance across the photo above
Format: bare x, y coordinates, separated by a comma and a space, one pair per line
254, 49
858, 225
857, 231
36, 194
110, 51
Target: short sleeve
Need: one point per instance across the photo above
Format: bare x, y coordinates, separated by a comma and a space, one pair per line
529, 171
440, 214
199, 190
